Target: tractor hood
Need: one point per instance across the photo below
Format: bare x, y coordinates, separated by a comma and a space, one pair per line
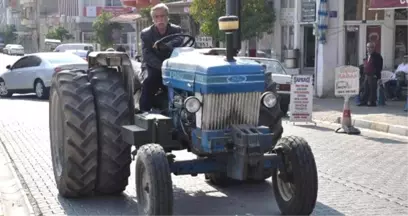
195, 72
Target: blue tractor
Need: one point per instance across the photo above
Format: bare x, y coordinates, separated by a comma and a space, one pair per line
222, 109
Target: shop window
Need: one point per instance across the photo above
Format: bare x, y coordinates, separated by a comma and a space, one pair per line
374, 36
401, 43
353, 10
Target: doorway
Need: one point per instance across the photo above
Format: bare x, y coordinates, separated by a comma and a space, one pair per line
352, 37
309, 47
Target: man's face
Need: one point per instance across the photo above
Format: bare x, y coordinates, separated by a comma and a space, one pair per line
160, 18
370, 48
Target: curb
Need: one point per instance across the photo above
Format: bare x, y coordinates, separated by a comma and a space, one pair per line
13, 199
377, 126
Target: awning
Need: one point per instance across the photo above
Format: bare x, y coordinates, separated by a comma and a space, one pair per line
388, 4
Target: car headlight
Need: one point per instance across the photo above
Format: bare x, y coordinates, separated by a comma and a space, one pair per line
192, 104
269, 99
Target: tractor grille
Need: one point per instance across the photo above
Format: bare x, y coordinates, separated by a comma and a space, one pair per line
222, 110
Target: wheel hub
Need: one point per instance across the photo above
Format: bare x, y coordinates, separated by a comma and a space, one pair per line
3, 89
39, 89
286, 189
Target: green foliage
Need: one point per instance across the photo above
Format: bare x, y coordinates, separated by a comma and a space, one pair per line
103, 29
59, 33
257, 17
10, 37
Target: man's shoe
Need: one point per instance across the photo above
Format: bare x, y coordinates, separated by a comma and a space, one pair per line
362, 104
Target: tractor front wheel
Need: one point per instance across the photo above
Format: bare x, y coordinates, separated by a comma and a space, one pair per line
73, 134
296, 184
154, 187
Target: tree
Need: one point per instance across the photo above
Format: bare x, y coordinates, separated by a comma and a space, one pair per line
9, 34
257, 17
104, 28
59, 33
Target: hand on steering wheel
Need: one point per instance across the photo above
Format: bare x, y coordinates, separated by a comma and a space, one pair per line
162, 44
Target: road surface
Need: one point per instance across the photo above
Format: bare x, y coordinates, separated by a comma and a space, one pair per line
358, 175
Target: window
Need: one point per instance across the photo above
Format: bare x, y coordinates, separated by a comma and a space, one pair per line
288, 3
22, 63
353, 10
33, 61
115, 3
288, 39
401, 14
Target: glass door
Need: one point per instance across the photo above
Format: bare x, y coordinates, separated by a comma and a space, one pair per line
352, 35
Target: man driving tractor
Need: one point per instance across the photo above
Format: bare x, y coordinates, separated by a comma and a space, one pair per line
154, 54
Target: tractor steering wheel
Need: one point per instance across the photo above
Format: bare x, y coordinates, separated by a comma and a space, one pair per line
188, 43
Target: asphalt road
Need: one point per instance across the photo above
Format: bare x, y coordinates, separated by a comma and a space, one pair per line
358, 175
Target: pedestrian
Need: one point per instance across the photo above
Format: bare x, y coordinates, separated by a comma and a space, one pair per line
373, 65
398, 80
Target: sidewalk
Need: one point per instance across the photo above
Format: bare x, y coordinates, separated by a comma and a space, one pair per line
390, 118
13, 200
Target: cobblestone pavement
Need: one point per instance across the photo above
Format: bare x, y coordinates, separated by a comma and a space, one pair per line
358, 175
329, 109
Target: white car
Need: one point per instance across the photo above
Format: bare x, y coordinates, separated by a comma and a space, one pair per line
33, 73
13, 49
74, 46
279, 76
81, 53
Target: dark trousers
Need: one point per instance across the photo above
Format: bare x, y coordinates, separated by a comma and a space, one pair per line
369, 90
393, 88
150, 87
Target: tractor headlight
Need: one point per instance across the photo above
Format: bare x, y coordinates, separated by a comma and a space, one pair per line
192, 104
269, 99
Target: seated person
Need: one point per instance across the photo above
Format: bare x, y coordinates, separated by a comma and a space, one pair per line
398, 80
153, 58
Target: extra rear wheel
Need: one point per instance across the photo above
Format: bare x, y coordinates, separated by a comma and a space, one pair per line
154, 187
73, 134
111, 101
296, 185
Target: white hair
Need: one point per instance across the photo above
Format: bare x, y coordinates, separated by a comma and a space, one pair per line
160, 6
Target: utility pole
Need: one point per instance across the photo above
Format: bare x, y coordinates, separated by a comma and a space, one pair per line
37, 22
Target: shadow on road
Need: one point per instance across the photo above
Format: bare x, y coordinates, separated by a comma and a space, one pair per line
386, 140
27, 97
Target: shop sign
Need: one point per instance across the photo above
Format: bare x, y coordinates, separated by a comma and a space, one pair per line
388, 4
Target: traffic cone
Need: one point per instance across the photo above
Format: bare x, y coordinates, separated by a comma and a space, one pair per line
346, 119
346, 123
381, 95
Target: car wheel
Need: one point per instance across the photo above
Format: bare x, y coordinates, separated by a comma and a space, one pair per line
3, 90
40, 90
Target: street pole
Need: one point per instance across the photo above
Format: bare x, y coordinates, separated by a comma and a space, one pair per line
38, 23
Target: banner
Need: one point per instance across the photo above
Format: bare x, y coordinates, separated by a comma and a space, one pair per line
388, 4
301, 98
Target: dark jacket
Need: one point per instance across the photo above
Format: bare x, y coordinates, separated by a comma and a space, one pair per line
378, 64
149, 35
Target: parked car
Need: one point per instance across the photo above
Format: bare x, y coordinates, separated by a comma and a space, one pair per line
13, 49
279, 76
80, 53
74, 46
32, 73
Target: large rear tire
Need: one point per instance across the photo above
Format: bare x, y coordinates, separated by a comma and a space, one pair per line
154, 187
111, 101
296, 185
73, 134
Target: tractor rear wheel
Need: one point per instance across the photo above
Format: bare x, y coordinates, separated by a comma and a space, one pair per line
73, 134
296, 185
154, 187
112, 111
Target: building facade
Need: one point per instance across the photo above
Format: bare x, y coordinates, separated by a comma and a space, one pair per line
351, 24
